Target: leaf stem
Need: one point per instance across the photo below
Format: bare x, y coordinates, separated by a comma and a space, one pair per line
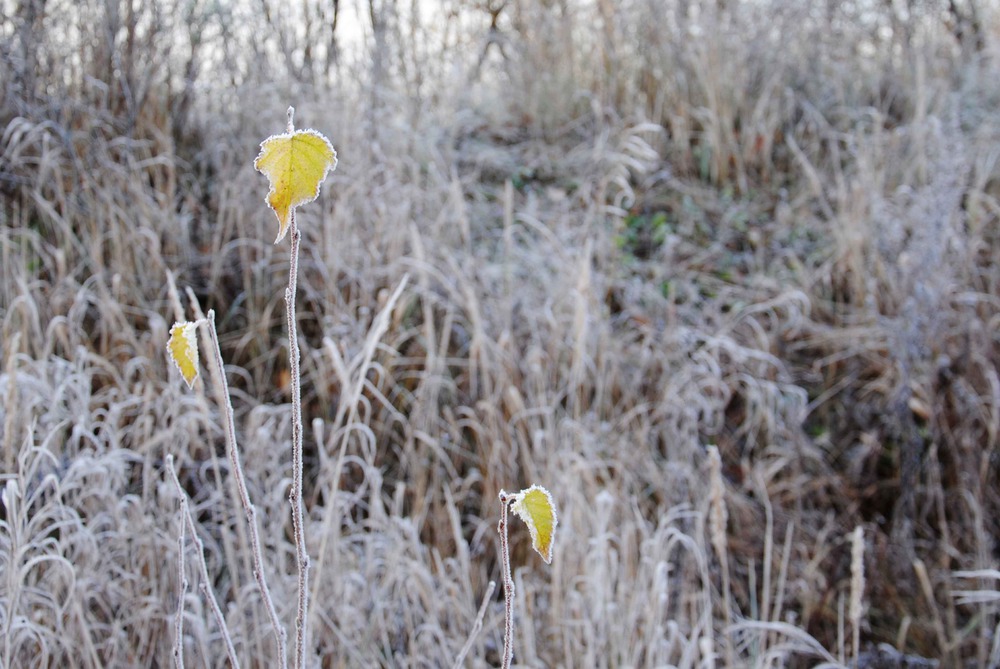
182, 581
508, 583
222, 386
295, 497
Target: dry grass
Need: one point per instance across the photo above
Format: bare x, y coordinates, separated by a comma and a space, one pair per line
629, 232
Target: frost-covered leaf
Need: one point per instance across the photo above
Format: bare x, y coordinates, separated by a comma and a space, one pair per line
296, 164
183, 349
535, 507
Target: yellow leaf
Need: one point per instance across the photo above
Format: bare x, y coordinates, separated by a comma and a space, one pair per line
183, 350
535, 507
296, 164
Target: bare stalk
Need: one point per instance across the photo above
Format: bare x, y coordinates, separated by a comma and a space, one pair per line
857, 588
295, 496
206, 583
251, 512
508, 584
181, 575
476, 627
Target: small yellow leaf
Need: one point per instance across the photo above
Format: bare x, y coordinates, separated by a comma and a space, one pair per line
296, 164
183, 350
535, 507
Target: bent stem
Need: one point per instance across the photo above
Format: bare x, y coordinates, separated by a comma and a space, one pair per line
295, 496
508, 583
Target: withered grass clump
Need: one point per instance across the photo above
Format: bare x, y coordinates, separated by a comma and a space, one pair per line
634, 232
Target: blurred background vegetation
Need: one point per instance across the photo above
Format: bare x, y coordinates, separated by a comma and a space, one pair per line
631, 230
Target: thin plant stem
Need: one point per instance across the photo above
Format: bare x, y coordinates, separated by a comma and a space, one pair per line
856, 610
251, 512
182, 581
295, 496
206, 583
476, 627
508, 584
